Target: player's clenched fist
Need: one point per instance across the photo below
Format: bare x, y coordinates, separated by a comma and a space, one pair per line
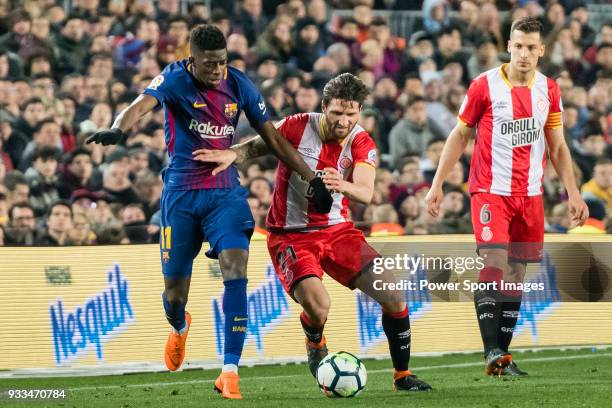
333, 180
107, 137
433, 200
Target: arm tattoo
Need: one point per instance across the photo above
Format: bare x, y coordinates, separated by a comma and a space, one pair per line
250, 149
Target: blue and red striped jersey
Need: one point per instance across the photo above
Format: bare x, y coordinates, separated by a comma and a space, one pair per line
198, 118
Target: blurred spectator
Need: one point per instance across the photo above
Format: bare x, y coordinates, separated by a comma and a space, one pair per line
559, 220
79, 173
112, 233
260, 187
17, 188
42, 178
116, 182
413, 132
485, 57
276, 41
135, 224
429, 163
58, 226
435, 16
306, 100
148, 186
455, 219
179, 31
600, 186
81, 233
309, 45
72, 43
251, 19
22, 225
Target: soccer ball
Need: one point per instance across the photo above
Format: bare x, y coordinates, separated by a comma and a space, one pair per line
341, 375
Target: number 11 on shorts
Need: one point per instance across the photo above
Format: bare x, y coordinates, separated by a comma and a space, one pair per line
165, 237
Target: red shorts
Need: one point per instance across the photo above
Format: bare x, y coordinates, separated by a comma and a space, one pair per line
514, 223
341, 250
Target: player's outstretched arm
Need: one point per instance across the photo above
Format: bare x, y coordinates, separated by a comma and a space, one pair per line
238, 153
561, 160
282, 149
124, 121
453, 149
361, 189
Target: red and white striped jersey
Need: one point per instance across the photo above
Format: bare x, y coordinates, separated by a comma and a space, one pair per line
510, 152
290, 209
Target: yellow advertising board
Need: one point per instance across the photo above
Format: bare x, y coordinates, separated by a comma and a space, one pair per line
101, 306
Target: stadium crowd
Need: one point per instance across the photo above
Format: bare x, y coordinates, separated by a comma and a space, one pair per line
66, 73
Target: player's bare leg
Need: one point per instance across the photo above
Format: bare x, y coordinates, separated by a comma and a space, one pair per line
314, 299
488, 303
511, 304
396, 324
175, 300
233, 264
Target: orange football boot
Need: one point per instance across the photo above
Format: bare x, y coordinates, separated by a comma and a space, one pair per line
227, 385
175, 347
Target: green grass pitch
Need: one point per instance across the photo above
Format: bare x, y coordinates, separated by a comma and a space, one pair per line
570, 378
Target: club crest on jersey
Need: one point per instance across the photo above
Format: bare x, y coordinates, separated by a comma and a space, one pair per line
345, 163
542, 104
486, 234
156, 82
231, 109
372, 157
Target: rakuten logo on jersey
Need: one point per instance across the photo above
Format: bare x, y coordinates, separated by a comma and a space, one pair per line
208, 131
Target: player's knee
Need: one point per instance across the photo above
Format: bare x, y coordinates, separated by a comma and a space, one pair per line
176, 297
394, 306
233, 265
233, 272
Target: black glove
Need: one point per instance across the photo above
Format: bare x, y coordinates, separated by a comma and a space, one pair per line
321, 197
107, 137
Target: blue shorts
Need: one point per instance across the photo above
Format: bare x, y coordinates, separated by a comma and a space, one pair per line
189, 217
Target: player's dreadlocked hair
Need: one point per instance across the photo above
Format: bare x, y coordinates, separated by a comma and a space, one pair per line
528, 25
345, 86
207, 37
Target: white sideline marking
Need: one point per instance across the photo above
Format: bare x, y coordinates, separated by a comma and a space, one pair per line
416, 369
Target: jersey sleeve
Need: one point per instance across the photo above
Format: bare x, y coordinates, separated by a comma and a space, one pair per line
474, 104
364, 150
160, 87
556, 106
292, 127
252, 102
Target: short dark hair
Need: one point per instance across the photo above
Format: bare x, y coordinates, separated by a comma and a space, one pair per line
58, 203
415, 99
42, 123
31, 101
13, 179
528, 25
347, 87
100, 56
19, 205
45, 153
77, 152
207, 37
